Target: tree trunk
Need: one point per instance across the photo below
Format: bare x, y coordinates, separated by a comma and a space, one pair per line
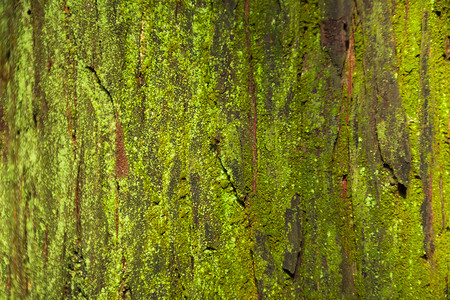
235, 149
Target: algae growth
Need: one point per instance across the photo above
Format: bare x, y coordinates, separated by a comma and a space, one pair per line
224, 149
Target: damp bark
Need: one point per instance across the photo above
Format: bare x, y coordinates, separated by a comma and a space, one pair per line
224, 149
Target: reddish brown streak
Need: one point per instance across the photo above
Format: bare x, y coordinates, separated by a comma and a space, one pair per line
121, 168
347, 209
121, 157
351, 65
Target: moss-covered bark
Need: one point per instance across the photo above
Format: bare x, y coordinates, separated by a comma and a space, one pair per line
270, 149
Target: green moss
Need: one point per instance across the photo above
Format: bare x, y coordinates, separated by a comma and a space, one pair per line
186, 222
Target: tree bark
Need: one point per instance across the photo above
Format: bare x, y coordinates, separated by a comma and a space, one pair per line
270, 149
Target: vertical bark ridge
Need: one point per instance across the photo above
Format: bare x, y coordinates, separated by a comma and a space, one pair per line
253, 137
427, 137
253, 104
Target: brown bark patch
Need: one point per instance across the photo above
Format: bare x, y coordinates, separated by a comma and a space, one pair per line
121, 157
2, 122
334, 37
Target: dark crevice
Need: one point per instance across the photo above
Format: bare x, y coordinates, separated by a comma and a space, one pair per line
118, 186
125, 288
446, 288
215, 147
401, 190
335, 143
299, 258
76, 270
35, 118
291, 275
255, 280
388, 167
235, 192
298, 263
102, 86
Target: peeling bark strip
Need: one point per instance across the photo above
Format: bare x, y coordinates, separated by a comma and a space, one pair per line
383, 90
294, 228
426, 141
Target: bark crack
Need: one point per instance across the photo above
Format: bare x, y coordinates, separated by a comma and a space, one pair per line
102, 86
233, 187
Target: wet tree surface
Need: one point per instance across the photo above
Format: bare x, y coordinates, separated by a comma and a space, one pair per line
224, 149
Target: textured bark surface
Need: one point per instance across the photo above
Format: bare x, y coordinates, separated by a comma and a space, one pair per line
270, 149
